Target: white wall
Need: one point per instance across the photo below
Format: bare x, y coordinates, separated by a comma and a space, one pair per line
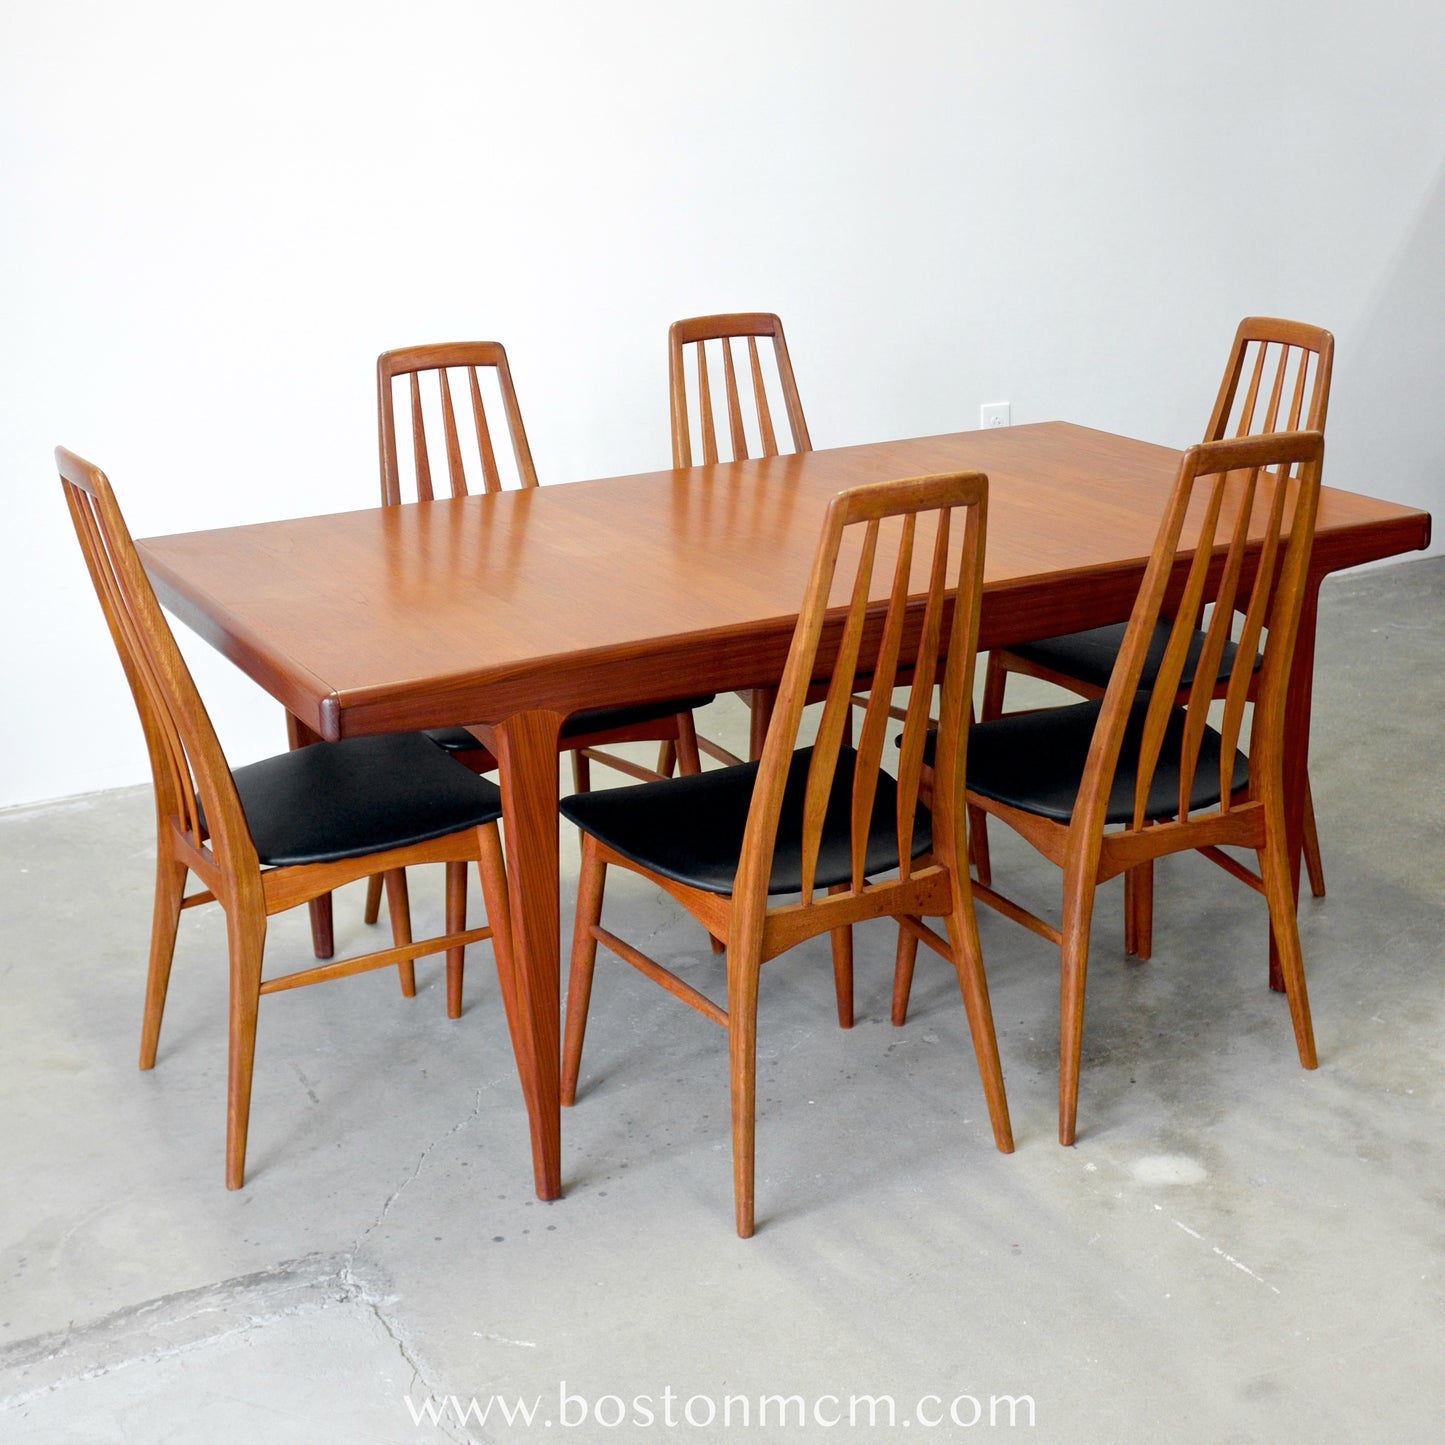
214, 217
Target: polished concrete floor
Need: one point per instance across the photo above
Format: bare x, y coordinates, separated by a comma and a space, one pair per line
1235, 1249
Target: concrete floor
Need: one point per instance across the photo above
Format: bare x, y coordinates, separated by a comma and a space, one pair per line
1235, 1250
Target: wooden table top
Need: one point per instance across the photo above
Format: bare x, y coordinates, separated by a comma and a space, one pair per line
668, 582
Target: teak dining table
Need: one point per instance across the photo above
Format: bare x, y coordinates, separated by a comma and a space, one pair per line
507, 612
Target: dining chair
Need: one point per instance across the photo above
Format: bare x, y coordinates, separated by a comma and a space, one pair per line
275, 834
1100, 786
1277, 379
459, 427
768, 853
444, 392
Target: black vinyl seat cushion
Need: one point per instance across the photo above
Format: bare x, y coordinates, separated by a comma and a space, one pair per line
362, 795
1035, 761
690, 829
581, 724
1090, 656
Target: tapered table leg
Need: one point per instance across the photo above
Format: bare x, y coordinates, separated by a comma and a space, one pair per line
526, 749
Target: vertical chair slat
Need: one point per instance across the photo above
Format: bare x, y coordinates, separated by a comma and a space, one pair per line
828, 742
925, 669
491, 477
1171, 669
1276, 391
1241, 677
766, 434
1251, 396
880, 692
734, 401
1297, 398
1206, 668
456, 473
418, 442
704, 408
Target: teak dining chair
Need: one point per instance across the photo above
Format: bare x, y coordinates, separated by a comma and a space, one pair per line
464, 366
1100, 787
1277, 379
824, 825
277, 833
452, 438
748, 413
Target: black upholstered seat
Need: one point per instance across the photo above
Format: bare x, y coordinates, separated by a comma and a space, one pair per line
1034, 761
585, 723
359, 796
691, 829
1090, 656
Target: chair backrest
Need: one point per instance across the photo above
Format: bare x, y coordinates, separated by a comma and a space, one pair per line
749, 424
460, 378
925, 527
188, 767
1285, 370
1268, 485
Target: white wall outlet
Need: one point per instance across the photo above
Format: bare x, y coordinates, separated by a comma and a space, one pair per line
993, 413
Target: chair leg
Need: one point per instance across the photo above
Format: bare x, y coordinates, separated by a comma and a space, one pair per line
1139, 910
666, 758
398, 903
744, 966
978, 845
1284, 922
1313, 866
963, 939
689, 761
322, 937
165, 919
581, 772
456, 923
842, 940
372, 910
246, 936
591, 880
1074, 967
904, 961
995, 679
492, 868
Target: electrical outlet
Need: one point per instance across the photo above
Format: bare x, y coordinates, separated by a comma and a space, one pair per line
993, 413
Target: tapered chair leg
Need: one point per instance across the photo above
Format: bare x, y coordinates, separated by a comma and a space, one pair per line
165, 919
1074, 950
456, 922
398, 903
842, 941
1139, 910
744, 966
689, 760
492, 868
246, 936
962, 928
591, 881
1313, 866
904, 961
581, 772
1284, 923
372, 911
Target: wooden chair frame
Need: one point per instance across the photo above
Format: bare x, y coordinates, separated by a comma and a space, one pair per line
1275, 480
756, 928
676, 733
749, 327
201, 828
1277, 378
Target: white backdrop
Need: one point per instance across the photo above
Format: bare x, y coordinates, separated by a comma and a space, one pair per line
214, 217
